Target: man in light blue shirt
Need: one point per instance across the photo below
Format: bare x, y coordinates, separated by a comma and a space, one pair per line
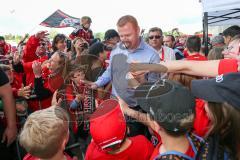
131, 49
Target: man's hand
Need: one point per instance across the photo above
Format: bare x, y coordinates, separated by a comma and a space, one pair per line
9, 135
41, 34
37, 69
124, 106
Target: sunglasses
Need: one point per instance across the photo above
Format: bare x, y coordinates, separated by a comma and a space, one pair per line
42, 44
156, 37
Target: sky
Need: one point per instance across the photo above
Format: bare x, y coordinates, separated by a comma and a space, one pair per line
24, 16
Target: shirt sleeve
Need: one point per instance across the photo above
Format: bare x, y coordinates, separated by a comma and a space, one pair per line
152, 77
227, 66
3, 78
106, 76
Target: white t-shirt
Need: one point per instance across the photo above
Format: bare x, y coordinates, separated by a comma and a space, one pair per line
169, 54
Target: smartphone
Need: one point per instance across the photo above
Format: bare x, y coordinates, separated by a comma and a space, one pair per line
69, 44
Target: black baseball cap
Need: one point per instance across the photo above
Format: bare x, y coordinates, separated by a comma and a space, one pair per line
167, 102
223, 88
111, 33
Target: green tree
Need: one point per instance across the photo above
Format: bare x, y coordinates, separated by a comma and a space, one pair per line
99, 35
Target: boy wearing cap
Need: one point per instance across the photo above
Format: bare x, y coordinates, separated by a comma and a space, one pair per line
171, 107
45, 134
109, 141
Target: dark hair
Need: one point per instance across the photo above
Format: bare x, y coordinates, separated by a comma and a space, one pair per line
231, 31
171, 36
225, 121
127, 19
155, 29
193, 44
96, 49
215, 53
56, 39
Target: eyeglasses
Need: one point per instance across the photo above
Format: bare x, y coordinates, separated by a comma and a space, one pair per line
156, 37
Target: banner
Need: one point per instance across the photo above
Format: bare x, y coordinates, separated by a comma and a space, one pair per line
60, 19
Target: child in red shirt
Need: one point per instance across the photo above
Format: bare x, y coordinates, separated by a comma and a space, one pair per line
45, 134
193, 47
108, 129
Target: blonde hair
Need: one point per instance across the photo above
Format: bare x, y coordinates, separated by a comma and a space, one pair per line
44, 131
127, 19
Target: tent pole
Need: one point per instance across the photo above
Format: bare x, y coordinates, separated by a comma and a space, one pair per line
205, 32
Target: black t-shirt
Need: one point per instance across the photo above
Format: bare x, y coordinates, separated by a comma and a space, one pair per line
3, 78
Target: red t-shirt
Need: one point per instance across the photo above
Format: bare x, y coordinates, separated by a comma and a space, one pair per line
30, 157
227, 66
201, 121
140, 149
196, 57
155, 153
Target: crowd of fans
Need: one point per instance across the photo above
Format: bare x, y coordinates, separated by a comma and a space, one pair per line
127, 97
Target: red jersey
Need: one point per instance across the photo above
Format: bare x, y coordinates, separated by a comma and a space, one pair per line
85, 34
196, 57
201, 121
227, 66
140, 149
29, 53
30, 157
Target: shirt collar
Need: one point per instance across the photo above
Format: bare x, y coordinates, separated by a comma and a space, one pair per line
141, 46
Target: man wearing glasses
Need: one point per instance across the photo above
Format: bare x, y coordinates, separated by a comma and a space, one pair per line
155, 39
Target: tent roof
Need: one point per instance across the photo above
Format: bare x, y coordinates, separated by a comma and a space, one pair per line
222, 12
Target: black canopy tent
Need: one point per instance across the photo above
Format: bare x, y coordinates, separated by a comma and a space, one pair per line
218, 13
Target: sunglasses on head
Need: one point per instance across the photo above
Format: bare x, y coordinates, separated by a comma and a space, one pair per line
156, 37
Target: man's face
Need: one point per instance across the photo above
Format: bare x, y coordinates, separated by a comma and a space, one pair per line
155, 39
129, 35
168, 42
41, 49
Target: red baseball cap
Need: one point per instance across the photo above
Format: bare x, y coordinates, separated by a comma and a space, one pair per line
107, 124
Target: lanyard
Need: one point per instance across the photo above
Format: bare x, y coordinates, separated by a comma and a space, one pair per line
162, 57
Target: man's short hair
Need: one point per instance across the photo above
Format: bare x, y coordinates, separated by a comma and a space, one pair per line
193, 44
155, 29
171, 36
231, 31
127, 19
44, 131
